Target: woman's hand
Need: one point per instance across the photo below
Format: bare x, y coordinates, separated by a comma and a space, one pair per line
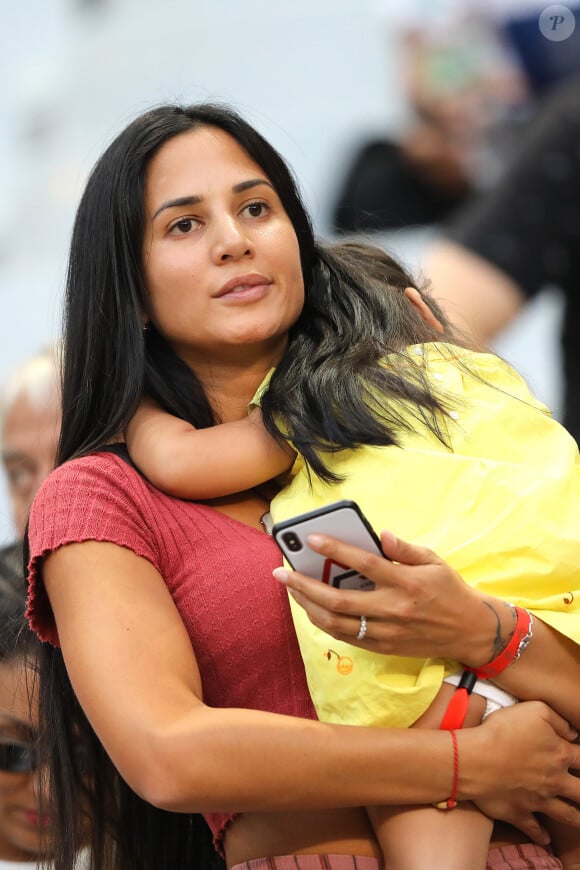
522, 747
420, 607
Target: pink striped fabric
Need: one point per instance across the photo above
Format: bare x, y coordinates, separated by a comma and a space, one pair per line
526, 856
311, 862
522, 857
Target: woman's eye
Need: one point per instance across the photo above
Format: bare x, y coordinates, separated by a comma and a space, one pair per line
256, 209
20, 478
184, 226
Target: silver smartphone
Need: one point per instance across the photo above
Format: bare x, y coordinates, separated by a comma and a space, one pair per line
343, 520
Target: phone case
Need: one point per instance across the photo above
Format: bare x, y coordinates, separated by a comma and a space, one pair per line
343, 520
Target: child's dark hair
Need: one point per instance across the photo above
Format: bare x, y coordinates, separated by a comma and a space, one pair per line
330, 391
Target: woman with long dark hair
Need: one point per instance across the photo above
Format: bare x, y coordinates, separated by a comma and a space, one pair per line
172, 659
468, 440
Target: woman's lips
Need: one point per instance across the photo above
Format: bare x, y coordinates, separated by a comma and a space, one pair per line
33, 817
243, 286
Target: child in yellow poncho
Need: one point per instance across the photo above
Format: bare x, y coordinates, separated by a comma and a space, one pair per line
488, 480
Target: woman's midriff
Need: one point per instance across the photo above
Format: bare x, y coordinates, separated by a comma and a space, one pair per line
337, 832
340, 832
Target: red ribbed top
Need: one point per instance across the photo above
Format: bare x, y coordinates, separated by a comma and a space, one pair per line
218, 571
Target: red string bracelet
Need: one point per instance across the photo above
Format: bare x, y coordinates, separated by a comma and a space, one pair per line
457, 708
451, 801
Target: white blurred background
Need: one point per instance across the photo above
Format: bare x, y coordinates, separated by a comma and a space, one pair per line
315, 76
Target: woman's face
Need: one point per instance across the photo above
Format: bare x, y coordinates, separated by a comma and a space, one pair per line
221, 257
23, 831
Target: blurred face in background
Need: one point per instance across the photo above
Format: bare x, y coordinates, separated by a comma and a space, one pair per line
29, 437
24, 832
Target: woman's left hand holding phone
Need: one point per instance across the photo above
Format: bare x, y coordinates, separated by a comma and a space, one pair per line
420, 606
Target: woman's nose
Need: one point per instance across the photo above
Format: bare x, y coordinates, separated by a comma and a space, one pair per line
230, 241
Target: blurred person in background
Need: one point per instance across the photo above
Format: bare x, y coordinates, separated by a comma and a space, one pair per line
11, 586
29, 430
473, 74
511, 242
25, 828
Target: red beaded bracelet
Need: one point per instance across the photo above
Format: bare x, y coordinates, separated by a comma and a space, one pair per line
518, 642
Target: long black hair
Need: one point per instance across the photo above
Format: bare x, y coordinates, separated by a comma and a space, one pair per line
110, 362
330, 391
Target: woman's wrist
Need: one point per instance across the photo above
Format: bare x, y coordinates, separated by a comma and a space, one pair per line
492, 633
473, 783
519, 640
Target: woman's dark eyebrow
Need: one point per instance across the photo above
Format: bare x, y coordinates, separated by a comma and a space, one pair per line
181, 200
194, 200
252, 182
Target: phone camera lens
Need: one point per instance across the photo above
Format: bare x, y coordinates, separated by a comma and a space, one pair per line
292, 541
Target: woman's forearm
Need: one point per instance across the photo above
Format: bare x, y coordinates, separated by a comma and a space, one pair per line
547, 670
316, 766
224, 760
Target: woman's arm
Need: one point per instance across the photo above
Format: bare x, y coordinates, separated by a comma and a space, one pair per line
419, 610
203, 463
132, 666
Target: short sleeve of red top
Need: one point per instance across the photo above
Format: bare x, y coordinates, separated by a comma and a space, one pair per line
218, 571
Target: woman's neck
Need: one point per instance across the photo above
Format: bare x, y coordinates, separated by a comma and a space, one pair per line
230, 388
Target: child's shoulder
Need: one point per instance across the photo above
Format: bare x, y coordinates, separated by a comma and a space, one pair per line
476, 370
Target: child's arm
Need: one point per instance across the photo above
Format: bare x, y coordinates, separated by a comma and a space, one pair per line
203, 463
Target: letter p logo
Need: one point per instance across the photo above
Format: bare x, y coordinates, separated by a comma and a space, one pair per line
557, 23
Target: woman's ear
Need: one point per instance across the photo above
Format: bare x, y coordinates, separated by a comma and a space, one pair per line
422, 308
